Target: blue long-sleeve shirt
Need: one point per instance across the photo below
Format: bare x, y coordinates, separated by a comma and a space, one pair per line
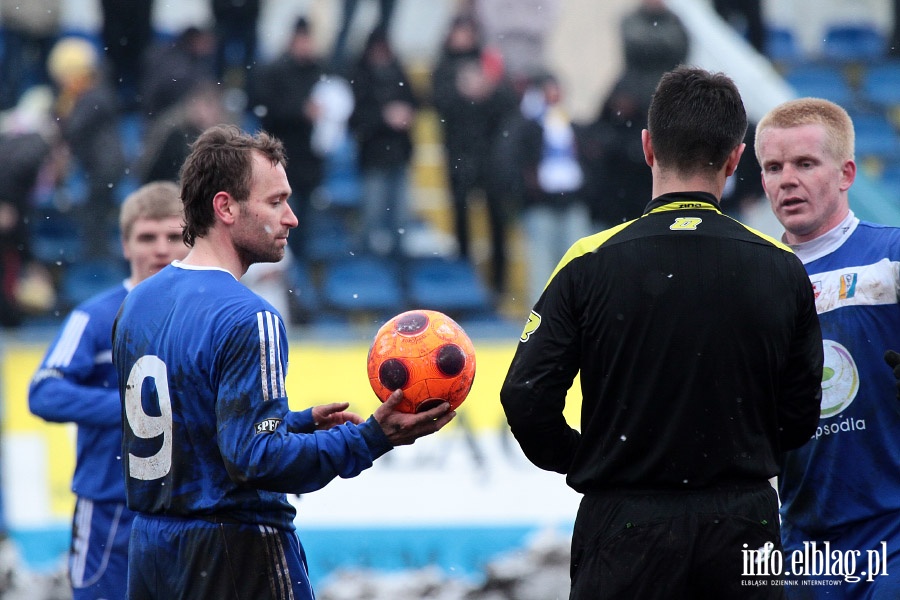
201, 363
76, 383
847, 473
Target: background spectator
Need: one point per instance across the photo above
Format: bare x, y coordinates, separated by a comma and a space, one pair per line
27, 140
518, 30
88, 116
29, 31
126, 33
746, 17
282, 96
381, 122
168, 139
654, 40
556, 183
172, 68
348, 11
473, 99
236, 39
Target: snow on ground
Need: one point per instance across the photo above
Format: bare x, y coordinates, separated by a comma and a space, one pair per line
443, 494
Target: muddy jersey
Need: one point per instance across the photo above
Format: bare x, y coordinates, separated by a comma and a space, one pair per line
202, 363
850, 469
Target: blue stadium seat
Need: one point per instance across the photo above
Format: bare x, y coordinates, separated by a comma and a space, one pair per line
341, 186
363, 284
55, 237
876, 137
450, 285
82, 280
860, 42
329, 235
127, 184
131, 132
304, 300
880, 85
821, 81
781, 46
890, 179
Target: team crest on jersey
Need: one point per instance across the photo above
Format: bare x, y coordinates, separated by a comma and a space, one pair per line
534, 321
817, 289
848, 286
268, 426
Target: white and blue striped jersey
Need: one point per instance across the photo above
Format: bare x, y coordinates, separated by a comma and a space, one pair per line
208, 433
848, 472
76, 382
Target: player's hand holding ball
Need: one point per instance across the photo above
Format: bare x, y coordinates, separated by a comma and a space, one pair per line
403, 428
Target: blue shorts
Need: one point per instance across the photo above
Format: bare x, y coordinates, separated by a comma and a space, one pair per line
172, 558
98, 558
873, 545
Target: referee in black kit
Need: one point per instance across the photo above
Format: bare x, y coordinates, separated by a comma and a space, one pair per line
700, 358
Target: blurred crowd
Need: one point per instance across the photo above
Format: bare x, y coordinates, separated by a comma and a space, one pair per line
87, 118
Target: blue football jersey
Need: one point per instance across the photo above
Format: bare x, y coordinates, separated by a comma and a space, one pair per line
76, 383
848, 471
202, 362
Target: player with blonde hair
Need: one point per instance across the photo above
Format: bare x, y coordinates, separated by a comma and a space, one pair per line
76, 383
842, 488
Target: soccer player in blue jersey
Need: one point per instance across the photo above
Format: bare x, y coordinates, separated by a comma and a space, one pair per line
76, 383
840, 492
210, 446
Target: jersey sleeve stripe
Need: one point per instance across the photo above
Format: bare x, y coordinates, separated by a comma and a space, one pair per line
273, 369
263, 365
281, 391
272, 378
65, 347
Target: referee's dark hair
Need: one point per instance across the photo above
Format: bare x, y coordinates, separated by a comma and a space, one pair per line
696, 118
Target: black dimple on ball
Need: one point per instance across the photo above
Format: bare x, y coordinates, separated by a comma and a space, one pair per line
450, 359
429, 404
412, 323
393, 374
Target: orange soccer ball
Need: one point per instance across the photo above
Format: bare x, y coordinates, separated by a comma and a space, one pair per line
427, 355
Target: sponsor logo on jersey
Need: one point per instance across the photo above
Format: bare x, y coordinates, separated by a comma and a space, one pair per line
268, 426
685, 223
840, 379
857, 285
848, 286
847, 424
817, 289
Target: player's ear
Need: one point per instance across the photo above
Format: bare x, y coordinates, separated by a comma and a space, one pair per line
647, 145
731, 164
224, 207
848, 174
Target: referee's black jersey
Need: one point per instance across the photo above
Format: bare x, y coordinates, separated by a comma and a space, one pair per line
698, 348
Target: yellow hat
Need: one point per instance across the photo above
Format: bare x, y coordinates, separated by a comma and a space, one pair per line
72, 58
